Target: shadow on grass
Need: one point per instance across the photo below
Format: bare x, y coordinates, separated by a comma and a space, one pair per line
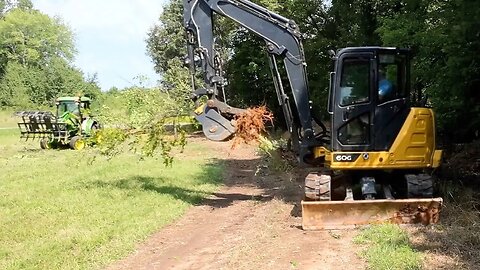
165, 184
153, 184
243, 175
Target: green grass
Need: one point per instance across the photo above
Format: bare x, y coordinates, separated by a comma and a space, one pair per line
8, 137
387, 247
7, 120
58, 210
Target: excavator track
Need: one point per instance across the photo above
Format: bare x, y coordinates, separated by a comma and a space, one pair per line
318, 187
419, 185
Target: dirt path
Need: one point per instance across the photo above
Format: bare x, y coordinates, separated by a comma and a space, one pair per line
251, 223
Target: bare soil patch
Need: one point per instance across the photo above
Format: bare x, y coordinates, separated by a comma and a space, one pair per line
252, 222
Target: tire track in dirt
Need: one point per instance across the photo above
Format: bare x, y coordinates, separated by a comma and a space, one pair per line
250, 223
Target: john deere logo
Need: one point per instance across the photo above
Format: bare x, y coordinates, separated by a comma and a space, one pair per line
346, 158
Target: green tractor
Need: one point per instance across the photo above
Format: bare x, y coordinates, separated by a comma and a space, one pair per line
70, 126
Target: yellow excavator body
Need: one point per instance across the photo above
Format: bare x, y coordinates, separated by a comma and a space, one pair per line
414, 148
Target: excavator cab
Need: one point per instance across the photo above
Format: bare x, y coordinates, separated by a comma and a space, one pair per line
370, 98
376, 166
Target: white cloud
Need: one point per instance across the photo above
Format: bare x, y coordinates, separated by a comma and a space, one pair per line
110, 35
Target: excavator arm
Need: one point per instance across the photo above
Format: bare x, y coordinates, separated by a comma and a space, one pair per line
282, 38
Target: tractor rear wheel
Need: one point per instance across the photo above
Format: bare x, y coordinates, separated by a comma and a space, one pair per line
77, 143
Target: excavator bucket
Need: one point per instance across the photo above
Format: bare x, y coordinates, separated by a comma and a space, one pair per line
327, 215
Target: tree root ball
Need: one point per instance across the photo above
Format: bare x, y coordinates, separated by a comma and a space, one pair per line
250, 125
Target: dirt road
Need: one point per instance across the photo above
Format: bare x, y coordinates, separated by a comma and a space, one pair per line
252, 222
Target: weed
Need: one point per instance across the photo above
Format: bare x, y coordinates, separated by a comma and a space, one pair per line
459, 230
275, 153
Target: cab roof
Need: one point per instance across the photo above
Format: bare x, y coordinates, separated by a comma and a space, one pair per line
373, 49
73, 99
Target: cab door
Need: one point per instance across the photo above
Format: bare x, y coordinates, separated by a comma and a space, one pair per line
354, 102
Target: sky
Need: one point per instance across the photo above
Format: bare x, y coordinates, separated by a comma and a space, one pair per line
109, 37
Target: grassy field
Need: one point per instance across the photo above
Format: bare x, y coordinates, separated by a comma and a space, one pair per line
7, 120
60, 210
387, 247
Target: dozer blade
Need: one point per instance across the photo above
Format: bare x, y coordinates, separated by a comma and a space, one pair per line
326, 215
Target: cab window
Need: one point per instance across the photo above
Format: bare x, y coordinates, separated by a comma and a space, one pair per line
67, 107
355, 82
391, 77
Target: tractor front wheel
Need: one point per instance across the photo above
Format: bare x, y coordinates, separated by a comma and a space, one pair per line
77, 143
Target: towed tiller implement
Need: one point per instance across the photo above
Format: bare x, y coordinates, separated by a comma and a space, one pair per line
69, 127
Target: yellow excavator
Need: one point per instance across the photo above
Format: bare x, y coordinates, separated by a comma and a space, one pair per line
373, 164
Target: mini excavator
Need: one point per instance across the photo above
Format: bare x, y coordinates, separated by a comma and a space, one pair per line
374, 163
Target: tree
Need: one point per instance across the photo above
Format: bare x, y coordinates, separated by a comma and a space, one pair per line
6, 5
444, 38
320, 34
13, 90
32, 38
247, 69
166, 40
167, 48
36, 52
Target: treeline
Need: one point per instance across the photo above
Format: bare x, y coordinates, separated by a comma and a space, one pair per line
444, 36
36, 58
